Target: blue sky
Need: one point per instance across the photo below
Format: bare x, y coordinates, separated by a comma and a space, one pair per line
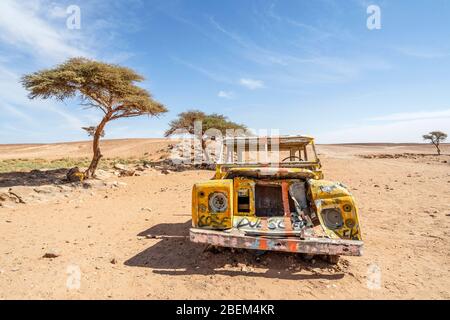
309, 67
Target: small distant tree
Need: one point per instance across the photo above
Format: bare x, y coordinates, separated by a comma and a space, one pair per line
107, 87
435, 137
186, 120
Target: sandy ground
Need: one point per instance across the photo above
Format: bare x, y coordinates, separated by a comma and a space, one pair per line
103, 252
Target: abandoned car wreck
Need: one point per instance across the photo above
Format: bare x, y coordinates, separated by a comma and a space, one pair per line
281, 205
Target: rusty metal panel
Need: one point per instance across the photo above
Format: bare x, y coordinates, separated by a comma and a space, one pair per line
241, 186
268, 200
286, 244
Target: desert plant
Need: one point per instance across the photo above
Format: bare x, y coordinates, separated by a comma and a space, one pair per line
108, 87
435, 138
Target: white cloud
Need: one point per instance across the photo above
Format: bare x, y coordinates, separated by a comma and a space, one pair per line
226, 94
413, 116
394, 127
22, 27
58, 12
251, 84
16, 113
13, 96
423, 53
26, 28
211, 75
395, 132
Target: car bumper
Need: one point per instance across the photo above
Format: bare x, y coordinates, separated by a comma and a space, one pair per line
236, 239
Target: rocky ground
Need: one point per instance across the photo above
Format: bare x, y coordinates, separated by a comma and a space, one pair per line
43, 186
126, 236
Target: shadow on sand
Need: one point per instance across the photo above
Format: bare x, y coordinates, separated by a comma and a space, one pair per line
174, 254
33, 178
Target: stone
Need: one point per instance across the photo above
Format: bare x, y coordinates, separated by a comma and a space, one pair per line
127, 173
50, 255
120, 167
47, 189
75, 175
22, 194
102, 174
6, 198
64, 188
92, 183
6, 206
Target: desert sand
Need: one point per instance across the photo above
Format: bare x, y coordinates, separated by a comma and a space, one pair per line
132, 242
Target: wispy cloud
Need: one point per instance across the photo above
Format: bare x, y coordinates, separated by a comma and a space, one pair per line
226, 94
314, 66
423, 53
15, 102
318, 33
394, 127
35, 33
57, 12
251, 84
6, 108
250, 50
210, 74
23, 28
402, 116
393, 131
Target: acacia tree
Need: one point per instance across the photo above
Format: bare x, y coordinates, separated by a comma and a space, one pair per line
186, 121
107, 87
435, 138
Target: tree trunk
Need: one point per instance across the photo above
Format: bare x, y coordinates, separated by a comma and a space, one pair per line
90, 172
436, 144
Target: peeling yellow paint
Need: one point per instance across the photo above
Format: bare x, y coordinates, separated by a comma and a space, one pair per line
333, 195
330, 204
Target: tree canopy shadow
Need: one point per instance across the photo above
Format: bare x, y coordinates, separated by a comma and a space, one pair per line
175, 254
33, 178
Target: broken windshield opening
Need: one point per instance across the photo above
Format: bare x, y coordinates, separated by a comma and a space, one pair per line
264, 152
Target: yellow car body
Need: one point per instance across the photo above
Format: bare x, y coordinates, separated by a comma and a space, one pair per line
281, 206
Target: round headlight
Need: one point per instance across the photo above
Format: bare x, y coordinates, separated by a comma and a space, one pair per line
218, 202
332, 218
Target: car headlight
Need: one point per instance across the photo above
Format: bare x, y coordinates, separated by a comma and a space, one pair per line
218, 202
332, 218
